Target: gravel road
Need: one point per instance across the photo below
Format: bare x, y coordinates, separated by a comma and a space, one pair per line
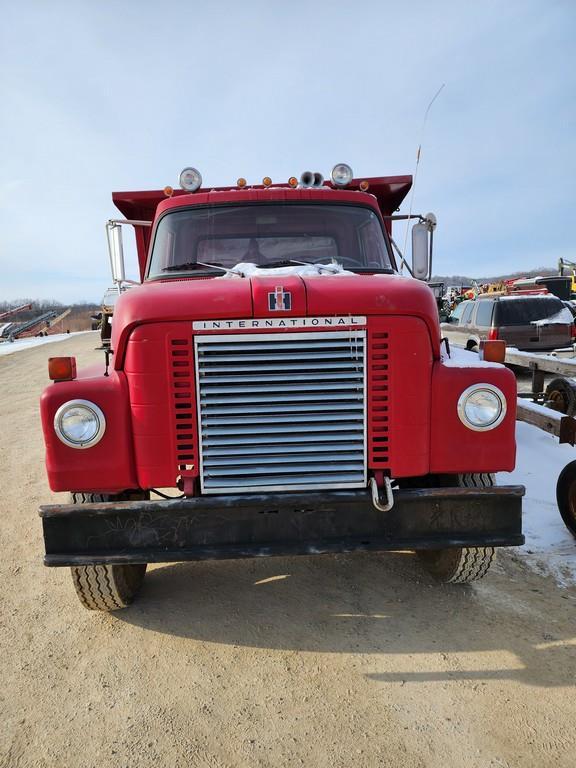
334, 661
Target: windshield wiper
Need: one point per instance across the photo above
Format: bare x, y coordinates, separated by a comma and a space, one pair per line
193, 264
184, 266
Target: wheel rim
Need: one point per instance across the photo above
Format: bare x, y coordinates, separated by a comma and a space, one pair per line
557, 401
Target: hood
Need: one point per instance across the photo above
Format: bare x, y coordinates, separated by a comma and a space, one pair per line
299, 295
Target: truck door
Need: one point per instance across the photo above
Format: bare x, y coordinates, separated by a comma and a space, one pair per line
463, 329
483, 318
451, 329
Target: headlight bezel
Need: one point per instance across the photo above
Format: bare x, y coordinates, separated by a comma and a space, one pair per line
465, 396
88, 405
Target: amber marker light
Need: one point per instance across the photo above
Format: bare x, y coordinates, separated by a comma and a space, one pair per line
241, 182
493, 351
168, 191
61, 368
364, 186
293, 182
267, 181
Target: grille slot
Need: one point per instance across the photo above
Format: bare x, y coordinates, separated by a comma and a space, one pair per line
379, 427
281, 411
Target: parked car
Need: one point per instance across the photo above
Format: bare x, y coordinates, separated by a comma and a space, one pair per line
526, 322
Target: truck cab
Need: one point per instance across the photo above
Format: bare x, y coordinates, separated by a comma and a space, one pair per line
275, 386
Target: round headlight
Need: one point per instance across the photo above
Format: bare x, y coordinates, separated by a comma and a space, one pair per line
190, 179
481, 407
342, 174
79, 423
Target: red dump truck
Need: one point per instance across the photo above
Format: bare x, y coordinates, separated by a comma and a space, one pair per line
279, 388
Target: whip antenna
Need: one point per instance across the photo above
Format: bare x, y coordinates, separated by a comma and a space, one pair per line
417, 164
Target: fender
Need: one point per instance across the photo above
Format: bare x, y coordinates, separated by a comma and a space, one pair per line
109, 465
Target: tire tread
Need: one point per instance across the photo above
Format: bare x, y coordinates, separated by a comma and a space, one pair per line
104, 587
473, 564
465, 564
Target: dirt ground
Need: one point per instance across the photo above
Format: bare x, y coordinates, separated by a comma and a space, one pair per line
333, 661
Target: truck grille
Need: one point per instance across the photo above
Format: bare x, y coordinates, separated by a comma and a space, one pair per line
281, 411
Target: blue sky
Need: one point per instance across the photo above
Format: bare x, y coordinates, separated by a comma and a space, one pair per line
102, 96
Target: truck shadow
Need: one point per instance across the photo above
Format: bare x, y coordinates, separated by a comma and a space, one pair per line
381, 604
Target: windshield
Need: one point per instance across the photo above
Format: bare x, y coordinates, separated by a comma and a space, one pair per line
269, 234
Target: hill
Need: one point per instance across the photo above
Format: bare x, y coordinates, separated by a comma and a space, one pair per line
467, 280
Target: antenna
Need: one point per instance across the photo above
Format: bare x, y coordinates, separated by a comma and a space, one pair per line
417, 164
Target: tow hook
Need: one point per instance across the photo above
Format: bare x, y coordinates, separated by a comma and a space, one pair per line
389, 503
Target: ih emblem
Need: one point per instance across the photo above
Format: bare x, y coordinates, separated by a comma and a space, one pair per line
280, 300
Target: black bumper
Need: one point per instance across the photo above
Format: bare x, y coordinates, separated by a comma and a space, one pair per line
215, 527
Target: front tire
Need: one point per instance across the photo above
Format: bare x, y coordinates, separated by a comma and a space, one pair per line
106, 587
460, 565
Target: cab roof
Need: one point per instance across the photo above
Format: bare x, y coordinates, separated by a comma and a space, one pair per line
385, 193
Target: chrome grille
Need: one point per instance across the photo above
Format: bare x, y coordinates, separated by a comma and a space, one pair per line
281, 411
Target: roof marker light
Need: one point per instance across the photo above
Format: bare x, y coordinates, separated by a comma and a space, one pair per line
267, 181
342, 174
190, 179
364, 186
293, 182
241, 182
168, 191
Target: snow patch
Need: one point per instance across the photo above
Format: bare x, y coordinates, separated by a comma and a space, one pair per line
549, 545
247, 269
463, 358
563, 317
523, 297
7, 347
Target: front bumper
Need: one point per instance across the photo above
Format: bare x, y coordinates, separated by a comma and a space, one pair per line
257, 525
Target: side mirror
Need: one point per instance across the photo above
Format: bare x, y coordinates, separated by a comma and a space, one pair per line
116, 251
422, 247
420, 251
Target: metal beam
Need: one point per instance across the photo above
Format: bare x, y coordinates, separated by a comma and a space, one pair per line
548, 363
256, 525
553, 422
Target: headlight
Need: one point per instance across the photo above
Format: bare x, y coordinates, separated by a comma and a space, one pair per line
79, 423
190, 179
481, 407
342, 174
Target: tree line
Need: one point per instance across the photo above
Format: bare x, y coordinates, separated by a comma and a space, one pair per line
467, 280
